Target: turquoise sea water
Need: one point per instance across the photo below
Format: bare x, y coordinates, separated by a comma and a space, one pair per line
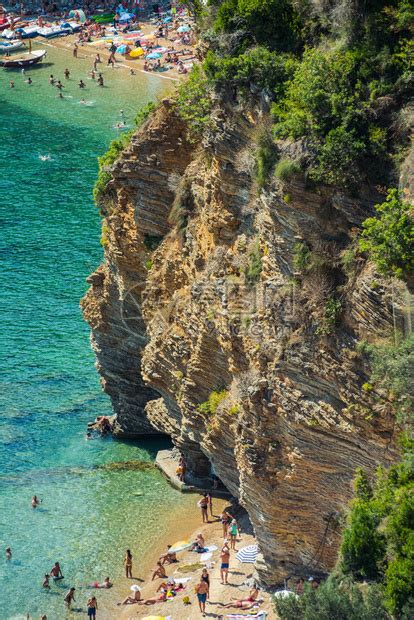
49, 389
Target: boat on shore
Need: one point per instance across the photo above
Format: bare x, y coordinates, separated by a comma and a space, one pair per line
10, 46
24, 60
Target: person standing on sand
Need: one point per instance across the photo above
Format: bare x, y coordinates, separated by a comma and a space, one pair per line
128, 564
206, 578
210, 503
92, 605
225, 562
202, 591
203, 504
225, 519
75, 50
233, 531
69, 597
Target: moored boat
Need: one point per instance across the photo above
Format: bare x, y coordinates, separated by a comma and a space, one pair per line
10, 46
24, 60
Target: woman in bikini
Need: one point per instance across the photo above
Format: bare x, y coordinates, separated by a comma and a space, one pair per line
128, 564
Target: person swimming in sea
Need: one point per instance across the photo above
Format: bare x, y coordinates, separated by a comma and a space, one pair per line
100, 80
43, 158
81, 84
11, 84
51, 79
8, 553
29, 81
56, 572
36, 501
67, 73
46, 583
106, 584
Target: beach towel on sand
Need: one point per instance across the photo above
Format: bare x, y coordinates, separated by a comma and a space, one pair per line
261, 615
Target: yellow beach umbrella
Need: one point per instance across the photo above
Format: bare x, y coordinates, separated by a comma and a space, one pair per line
136, 53
181, 545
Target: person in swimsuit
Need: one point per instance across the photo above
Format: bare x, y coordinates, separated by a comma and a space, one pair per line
203, 504
168, 558
56, 572
128, 564
92, 605
46, 583
202, 591
159, 572
67, 74
244, 603
225, 519
233, 531
225, 561
8, 553
131, 600
69, 597
81, 84
199, 543
206, 577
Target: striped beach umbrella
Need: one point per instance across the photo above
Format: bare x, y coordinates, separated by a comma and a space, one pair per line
248, 554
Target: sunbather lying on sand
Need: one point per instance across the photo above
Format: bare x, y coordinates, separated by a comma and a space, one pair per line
244, 603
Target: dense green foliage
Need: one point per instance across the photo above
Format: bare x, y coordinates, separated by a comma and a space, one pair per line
194, 102
378, 541
266, 156
392, 373
274, 23
333, 601
388, 238
286, 168
210, 406
255, 265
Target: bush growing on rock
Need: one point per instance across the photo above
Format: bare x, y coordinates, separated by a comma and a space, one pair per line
388, 238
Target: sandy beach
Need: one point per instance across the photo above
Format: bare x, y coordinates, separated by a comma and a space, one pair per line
89, 50
188, 565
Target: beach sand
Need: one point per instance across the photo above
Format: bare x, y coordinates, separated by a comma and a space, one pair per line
87, 50
238, 574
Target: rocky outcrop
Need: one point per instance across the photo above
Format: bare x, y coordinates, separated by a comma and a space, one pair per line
254, 294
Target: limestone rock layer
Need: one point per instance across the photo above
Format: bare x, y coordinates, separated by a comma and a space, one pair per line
201, 293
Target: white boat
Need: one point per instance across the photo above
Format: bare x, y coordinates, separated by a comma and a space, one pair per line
22, 60
10, 46
23, 33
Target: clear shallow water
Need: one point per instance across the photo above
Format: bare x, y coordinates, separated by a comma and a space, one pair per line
49, 389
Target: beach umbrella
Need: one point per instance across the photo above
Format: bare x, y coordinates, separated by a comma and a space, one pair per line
248, 554
166, 20
136, 53
121, 49
135, 588
181, 545
184, 29
153, 56
125, 17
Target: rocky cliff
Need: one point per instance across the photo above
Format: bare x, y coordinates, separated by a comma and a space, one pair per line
212, 286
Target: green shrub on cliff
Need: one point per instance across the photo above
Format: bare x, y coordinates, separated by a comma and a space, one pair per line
210, 406
388, 238
106, 161
194, 102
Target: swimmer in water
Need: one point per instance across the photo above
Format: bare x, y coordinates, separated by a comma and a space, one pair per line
88, 434
69, 597
82, 101
56, 571
23, 72
8, 553
43, 158
29, 81
100, 80
35, 501
93, 74
46, 583
82, 84
67, 74
11, 84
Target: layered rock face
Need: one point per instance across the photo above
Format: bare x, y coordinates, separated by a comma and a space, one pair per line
255, 295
